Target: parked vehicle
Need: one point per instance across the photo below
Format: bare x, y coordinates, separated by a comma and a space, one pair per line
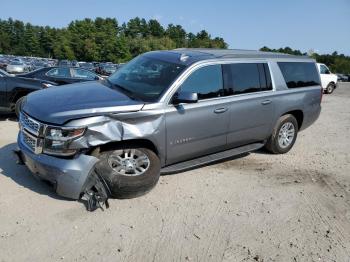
3, 63
87, 66
13, 88
16, 67
342, 78
64, 63
328, 80
63, 75
165, 112
106, 69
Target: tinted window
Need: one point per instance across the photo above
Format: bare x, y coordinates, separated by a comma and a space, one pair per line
244, 78
206, 82
299, 74
59, 72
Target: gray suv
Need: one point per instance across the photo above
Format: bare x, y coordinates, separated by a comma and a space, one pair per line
165, 112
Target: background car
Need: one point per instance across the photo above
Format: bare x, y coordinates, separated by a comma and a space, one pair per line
63, 75
17, 67
342, 78
328, 79
13, 88
87, 66
106, 69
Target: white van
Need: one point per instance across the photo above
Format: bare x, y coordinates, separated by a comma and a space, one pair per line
328, 80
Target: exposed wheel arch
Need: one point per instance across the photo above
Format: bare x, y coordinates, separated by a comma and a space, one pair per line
117, 144
299, 116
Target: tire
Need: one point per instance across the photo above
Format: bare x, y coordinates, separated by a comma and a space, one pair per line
330, 88
273, 144
18, 106
128, 185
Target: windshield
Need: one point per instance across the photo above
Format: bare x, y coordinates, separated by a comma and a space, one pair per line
146, 78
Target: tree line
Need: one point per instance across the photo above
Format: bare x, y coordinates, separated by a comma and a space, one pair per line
338, 63
101, 39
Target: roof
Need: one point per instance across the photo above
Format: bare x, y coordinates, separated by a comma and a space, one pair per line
188, 56
233, 53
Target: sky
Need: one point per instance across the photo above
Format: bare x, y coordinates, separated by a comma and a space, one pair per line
320, 25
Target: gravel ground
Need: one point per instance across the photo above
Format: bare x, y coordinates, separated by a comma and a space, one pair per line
260, 207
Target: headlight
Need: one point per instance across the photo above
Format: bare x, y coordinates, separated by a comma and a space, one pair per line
57, 140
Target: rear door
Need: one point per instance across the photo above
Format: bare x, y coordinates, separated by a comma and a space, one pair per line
249, 89
200, 128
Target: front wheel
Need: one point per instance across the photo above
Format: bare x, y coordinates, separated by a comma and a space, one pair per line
129, 171
283, 136
330, 88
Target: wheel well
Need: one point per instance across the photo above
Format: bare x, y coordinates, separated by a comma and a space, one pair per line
134, 142
299, 116
18, 95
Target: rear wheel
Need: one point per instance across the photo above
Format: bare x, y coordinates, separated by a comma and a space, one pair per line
330, 88
283, 136
129, 171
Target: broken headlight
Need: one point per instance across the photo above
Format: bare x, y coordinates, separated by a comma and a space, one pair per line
58, 139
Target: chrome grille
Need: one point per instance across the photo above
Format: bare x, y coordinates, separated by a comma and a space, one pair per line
29, 141
30, 124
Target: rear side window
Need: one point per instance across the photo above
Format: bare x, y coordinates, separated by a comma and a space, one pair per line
299, 74
206, 82
244, 78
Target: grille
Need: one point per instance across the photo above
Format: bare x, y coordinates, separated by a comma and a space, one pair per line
30, 124
29, 141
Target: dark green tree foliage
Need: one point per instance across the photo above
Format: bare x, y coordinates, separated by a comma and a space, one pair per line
101, 39
337, 63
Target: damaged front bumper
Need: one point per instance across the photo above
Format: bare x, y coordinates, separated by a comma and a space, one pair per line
69, 176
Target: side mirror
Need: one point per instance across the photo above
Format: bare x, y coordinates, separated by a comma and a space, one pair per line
185, 97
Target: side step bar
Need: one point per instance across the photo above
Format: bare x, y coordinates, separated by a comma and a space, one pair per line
204, 160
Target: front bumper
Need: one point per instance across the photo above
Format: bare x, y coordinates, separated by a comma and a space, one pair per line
68, 175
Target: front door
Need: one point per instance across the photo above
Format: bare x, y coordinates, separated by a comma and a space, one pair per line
199, 128
3, 91
326, 76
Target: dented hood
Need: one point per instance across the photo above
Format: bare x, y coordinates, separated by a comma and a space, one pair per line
57, 105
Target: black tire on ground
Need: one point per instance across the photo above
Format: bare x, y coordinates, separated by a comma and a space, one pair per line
273, 144
330, 88
18, 106
122, 186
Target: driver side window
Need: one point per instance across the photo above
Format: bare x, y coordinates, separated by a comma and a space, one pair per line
324, 70
206, 82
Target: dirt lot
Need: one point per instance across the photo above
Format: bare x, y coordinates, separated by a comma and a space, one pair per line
261, 207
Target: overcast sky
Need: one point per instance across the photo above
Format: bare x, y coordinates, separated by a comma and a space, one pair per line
322, 25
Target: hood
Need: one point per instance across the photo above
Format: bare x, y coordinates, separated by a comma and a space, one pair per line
57, 105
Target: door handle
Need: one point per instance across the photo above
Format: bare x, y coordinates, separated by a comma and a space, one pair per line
266, 102
220, 110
